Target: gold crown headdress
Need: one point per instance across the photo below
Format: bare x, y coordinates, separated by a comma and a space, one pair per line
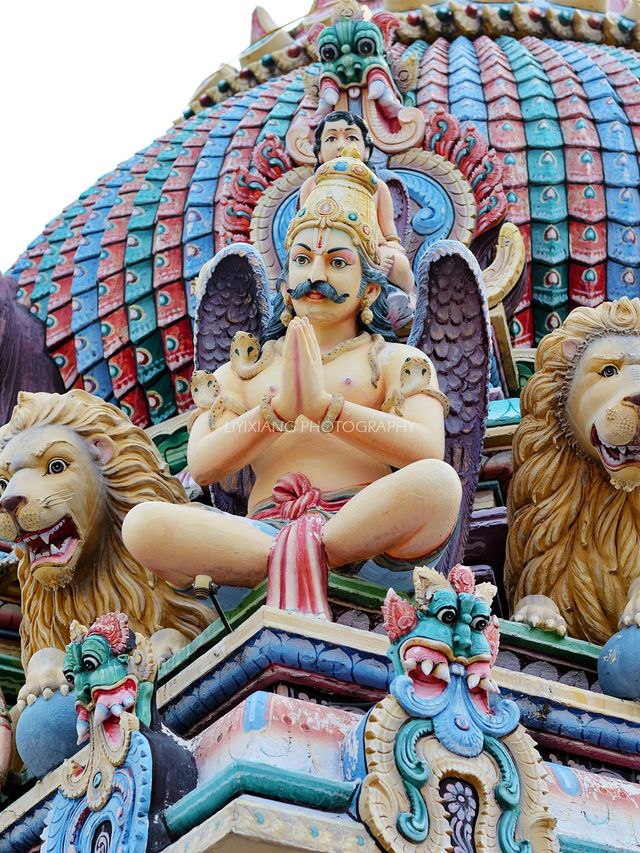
342, 198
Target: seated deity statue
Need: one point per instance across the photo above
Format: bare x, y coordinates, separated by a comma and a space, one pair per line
342, 426
336, 131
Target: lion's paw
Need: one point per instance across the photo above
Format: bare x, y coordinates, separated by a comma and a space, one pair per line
44, 677
538, 611
166, 643
631, 612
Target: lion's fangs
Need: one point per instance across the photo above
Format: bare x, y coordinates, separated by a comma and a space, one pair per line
615, 456
57, 541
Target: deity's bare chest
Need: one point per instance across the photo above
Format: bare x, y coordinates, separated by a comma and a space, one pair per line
350, 374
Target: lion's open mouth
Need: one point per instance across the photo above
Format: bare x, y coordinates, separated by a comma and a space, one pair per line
55, 544
615, 456
431, 671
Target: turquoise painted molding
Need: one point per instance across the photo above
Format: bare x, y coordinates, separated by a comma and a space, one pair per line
582, 845
342, 588
353, 590
566, 648
252, 777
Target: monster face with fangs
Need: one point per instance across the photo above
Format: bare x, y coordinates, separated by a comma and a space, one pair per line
119, 793
442, 650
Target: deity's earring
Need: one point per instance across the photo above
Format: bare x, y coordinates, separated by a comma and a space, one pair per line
366, 314
287, 313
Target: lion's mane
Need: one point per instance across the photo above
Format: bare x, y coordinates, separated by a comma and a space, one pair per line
572, 536
135, 473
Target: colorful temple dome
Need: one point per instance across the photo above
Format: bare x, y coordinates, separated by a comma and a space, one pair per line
555, 91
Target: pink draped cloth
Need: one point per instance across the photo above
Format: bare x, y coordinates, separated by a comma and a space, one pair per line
298, 567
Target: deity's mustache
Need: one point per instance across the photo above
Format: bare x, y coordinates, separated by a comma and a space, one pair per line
322, 287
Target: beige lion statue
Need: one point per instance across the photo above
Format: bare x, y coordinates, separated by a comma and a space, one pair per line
573, 549
71, 468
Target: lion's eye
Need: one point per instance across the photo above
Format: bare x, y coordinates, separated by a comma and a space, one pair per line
609, 370
3, 484
448, 615
57, 466
479, 623
90, 662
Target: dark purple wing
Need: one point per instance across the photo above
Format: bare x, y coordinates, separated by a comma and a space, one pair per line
451, 326
233, 296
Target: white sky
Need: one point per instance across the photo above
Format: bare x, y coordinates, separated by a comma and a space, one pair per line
84, 84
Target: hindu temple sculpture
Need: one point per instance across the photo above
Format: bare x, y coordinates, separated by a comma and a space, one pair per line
354, 56
447, 764
368, 225
108, 285
71, 467
335, 132
111, 802
572, 557
322, 413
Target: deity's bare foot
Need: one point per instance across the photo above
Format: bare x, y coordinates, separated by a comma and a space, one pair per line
406, 515
180, 542
395, 265
539, 611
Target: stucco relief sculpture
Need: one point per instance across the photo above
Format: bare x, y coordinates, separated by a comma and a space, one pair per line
572, 557
335, 132
314, 426
109, 802
448, 766
71, 467
322, 441
355, 64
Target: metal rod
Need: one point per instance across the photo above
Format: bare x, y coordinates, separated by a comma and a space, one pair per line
213, 589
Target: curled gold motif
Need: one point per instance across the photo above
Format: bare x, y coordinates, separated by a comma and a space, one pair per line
507, 266
95, 779
383, 796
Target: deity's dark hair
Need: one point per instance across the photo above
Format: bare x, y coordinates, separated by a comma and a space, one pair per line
380, 324
350, 118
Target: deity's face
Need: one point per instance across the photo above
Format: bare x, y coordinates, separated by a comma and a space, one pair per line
326, 255
336, 135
